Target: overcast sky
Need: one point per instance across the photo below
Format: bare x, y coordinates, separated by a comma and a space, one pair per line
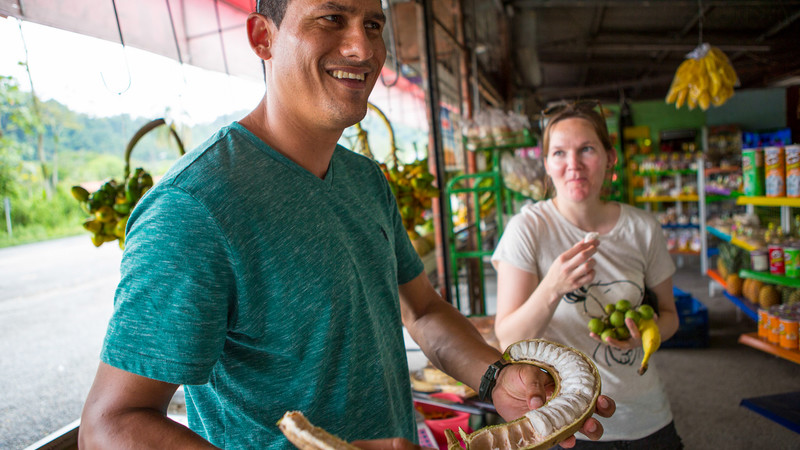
92, 76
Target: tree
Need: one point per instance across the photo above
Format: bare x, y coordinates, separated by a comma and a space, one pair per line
14, 116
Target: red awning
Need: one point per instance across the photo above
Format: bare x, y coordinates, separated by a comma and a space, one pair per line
205, 33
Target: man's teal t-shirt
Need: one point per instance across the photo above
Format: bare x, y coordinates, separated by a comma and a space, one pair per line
263, 289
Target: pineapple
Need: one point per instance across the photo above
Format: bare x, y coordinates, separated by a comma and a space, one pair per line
794, 297
755, 289
768, 296
733, 284
722, 269
746, 287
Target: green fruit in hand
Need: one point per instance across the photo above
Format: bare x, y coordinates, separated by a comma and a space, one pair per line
617, 319
633, 314
596, 326
623, 305
646, 311
623, 333
610, 308
609, 333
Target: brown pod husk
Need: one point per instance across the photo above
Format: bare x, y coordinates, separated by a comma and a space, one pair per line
520, 434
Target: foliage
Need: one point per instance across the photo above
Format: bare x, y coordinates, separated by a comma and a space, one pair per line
45, 148
35, 218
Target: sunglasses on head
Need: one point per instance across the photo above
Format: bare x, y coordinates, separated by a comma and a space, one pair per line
557, 108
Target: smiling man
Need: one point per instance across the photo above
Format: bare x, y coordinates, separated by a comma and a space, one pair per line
269, 271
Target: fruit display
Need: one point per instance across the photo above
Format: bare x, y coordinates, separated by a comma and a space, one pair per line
111, 204
413, 187
612, 325
412, 184
577, 386
704, 78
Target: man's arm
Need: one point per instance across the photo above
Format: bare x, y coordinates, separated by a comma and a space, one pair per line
124, 410
446, 337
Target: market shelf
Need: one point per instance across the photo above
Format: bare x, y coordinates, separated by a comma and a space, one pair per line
752, 340
726, 169
748, 308
743, 304
727, 238
683, 252
668, 172
667, 198
767, 277
780, 408
688, 226
714, 275
768, 201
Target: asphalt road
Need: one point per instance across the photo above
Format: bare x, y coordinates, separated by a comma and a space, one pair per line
55, 301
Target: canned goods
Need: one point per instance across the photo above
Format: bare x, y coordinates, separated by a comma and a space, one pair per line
787, 332
793, 170
776, 263
763, 324
753, 171
759, 260
791, 261
774, 326
775, 171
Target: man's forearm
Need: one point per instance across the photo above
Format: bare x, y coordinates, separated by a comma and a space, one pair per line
452, 343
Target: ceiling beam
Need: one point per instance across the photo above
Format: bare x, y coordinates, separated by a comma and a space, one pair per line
572, 91
647, 47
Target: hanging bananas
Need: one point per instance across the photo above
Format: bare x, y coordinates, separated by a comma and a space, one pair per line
705, 78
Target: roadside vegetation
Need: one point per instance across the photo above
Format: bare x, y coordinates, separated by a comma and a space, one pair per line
45, 149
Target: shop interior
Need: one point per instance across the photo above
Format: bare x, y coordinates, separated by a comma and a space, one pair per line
474, 77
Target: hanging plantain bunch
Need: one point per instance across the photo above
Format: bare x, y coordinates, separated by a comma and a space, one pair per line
705, 78
110, 205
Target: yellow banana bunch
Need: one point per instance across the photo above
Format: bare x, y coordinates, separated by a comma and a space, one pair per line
651, 341
703, 81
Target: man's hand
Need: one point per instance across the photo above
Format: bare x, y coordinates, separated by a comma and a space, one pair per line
523, 387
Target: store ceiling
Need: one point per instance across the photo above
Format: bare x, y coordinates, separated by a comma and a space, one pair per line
533, 50
608, 48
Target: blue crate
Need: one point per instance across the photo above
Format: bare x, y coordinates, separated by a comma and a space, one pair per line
693, 329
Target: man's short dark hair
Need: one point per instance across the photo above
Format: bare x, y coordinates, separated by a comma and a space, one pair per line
274, 9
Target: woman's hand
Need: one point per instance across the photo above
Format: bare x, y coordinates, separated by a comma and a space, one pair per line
635, 341
572, 269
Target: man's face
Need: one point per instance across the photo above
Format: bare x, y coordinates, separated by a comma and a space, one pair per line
326, 57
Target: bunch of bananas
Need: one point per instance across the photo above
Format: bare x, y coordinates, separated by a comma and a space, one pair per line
705, 78
110, 206
412, 186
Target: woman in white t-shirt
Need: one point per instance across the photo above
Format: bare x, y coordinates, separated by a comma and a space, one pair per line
551, 282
